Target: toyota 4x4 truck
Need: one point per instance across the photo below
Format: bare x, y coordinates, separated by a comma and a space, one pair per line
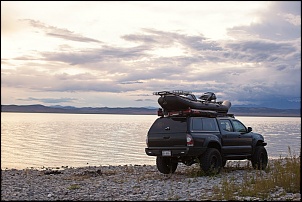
204, 137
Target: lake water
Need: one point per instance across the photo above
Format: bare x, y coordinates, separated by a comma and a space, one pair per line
54, 140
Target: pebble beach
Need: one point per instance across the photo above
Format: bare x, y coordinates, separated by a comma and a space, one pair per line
127, 183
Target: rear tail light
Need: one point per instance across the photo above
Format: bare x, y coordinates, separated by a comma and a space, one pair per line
190, 141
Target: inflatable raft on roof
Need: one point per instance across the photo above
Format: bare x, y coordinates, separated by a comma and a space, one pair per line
182, 100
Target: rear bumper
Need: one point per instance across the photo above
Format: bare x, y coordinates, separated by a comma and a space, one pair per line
175, 151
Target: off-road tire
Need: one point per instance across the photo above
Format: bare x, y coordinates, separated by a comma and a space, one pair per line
211, 161
259, 159
165, 165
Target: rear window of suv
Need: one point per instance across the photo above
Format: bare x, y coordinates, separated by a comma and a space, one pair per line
204, 124
169, 125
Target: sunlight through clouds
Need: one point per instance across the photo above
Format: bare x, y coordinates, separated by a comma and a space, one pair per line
116, 53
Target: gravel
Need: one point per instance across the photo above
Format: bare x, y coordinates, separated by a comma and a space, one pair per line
128, 182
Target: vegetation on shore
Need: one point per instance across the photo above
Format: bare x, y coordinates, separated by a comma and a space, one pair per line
281, 176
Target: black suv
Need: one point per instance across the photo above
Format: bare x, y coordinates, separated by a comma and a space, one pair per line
204, 137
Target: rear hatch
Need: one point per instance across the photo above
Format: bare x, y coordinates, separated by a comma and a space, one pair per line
168, 132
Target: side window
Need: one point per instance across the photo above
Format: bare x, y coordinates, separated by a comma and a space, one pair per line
239, 127
204, 124
196, 124
209, 124
226, 125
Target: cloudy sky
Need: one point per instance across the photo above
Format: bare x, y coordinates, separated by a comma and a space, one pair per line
116, 54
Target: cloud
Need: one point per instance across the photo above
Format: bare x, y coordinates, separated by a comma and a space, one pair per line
280, 21
207, 69
59, 33
259, 61
144, 100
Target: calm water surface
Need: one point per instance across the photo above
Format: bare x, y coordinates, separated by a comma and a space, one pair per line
55, 140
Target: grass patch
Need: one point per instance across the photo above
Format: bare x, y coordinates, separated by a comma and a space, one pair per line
281, 176
73, 187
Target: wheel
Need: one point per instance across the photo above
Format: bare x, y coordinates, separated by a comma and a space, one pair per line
165, 165
211, 161
259, 159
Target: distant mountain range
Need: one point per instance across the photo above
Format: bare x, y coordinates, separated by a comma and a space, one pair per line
239, 111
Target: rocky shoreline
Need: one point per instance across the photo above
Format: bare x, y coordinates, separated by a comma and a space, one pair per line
126, 182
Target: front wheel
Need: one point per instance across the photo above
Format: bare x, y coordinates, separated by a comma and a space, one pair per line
211, 162
259, 159
166, 165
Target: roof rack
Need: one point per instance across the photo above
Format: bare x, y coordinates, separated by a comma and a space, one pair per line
191, 112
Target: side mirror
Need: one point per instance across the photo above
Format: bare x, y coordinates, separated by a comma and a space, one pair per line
249, 129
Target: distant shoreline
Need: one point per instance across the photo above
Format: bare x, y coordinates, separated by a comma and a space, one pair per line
237, 111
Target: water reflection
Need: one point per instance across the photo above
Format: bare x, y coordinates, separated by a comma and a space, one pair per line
50, 140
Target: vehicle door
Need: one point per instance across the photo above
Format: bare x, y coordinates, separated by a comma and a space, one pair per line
233, 141
244, 141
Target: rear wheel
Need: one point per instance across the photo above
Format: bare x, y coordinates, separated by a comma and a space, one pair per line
259, 159
211, 162
166, 165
